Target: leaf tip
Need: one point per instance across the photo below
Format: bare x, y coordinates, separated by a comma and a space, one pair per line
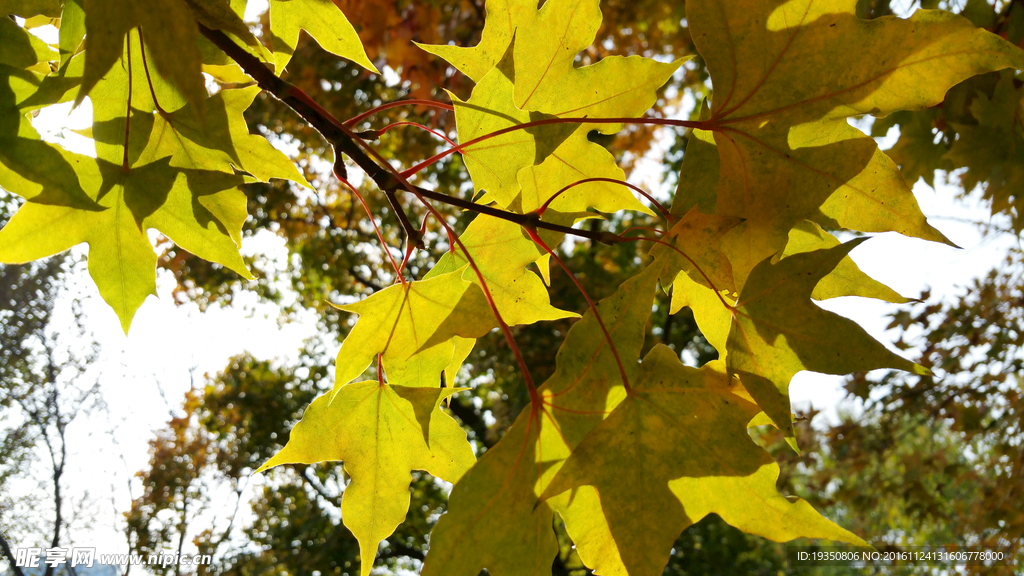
921, 370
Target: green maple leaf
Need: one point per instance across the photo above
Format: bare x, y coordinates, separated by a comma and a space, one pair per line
21, 49
121, 259
219, 140
132, 186
171, 35
72, 30
34, 169
494, 519
226, 16
785, 80
322, 20
381, 433
547, 81
503, 17
413, 326
777, 331
675, 450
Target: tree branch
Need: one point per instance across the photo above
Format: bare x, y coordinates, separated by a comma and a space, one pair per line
10, 556
342, 139
314, 482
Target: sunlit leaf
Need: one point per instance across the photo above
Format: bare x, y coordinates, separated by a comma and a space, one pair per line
494, 518
381, 433
503, 254
778, 332
673, 451
503, 17
785, 80
322, 20
412, 327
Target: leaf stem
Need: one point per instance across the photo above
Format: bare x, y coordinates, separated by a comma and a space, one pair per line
384, 245
125, 168
547, 121
593, 307
342, 138
149, 79
396, 103
665, 213
387, 128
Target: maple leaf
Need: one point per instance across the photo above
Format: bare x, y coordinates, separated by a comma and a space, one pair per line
72, 30
130, 191
494, 519
577, 158
226, 16
777, 332
785, 80
547, 81
412, 326
322, 20
503, 17
503, 254
21, 49
506, 166
497, 164
673, 451
171, 35
121, 259
494, 163
219, 140
846, 279
698, 180
381, 433
39, 171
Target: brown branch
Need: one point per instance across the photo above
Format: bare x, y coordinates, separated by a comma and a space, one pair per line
10, 556
341, 138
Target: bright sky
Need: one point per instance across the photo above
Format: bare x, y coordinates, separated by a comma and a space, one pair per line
145, 374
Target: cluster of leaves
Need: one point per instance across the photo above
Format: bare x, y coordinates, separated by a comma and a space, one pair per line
940, 450
627, 453
977, 128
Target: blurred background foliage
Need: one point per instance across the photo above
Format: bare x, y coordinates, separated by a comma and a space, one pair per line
919, 460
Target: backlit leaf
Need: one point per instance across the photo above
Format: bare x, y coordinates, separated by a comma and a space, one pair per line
322, 20
121, 259
170, 35
673, 451
494, 518
412, 327
503, 17
503, 255
778, 332
785, 80
381, 433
